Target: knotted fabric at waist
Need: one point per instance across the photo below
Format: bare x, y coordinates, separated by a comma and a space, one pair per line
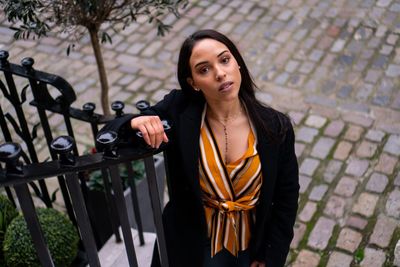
227, 205
225, 216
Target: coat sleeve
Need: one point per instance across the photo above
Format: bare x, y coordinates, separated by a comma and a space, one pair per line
279, 230
162, 108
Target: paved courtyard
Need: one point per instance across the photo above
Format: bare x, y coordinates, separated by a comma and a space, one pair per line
332, 65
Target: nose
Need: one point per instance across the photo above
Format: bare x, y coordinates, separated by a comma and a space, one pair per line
219, 73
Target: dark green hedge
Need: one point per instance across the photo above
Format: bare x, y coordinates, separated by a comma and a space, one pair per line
60, 234
7, 213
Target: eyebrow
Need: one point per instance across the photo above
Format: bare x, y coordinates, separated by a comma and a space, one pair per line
203, 62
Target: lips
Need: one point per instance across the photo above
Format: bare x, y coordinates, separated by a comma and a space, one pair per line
225, 86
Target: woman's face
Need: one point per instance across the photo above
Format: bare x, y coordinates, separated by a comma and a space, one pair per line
214, 71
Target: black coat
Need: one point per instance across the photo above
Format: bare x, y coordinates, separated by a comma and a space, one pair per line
183, 216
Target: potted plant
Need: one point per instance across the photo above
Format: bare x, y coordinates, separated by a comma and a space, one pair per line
95, 180
101, 221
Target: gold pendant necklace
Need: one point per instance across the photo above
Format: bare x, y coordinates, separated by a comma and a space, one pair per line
226, 144
224, 125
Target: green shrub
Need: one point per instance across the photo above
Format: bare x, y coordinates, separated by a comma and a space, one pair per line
7, 213
60, 234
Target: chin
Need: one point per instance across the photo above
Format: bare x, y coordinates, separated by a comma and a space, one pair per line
232, 95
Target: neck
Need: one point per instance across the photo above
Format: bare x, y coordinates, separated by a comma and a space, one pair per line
225, 111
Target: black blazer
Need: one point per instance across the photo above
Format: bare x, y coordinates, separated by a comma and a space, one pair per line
183, 216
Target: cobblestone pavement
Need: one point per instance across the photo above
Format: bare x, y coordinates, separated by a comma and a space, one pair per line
334, 66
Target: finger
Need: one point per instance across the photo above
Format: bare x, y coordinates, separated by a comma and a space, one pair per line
165, 138
161, 136
145, 134
157, 125
134, 125
136, 122
151, 132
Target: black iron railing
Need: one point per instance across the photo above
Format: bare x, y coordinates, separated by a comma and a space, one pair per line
69, 170
18, 176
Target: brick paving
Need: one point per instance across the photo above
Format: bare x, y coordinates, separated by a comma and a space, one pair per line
334, 66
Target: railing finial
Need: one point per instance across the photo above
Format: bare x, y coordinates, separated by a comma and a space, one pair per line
106, 142
118, 107
89, 108
27, 63
9, 154
142, 105
63, 146
4, 57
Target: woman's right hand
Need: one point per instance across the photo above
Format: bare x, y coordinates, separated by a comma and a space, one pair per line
151, 128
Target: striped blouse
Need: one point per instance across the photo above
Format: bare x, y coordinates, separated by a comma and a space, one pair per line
229, 192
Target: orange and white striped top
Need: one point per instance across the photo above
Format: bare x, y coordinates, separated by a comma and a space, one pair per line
229, 192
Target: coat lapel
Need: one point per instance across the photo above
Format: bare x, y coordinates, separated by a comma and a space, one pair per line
189, 132
268, 153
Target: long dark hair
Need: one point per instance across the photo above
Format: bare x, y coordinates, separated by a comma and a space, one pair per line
247, 88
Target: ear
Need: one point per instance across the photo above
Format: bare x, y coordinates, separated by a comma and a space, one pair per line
190, 81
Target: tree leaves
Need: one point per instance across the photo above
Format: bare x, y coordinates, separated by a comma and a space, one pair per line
25, 14
36, 18
70, 46
105, 37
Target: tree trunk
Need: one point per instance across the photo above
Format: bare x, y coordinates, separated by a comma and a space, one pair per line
101, 69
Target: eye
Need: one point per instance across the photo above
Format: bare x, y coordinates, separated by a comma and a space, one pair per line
204, 70
225, 60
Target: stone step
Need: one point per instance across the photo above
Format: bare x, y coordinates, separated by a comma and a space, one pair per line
114, 254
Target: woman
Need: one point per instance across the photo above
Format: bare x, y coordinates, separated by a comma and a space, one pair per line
232, 167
